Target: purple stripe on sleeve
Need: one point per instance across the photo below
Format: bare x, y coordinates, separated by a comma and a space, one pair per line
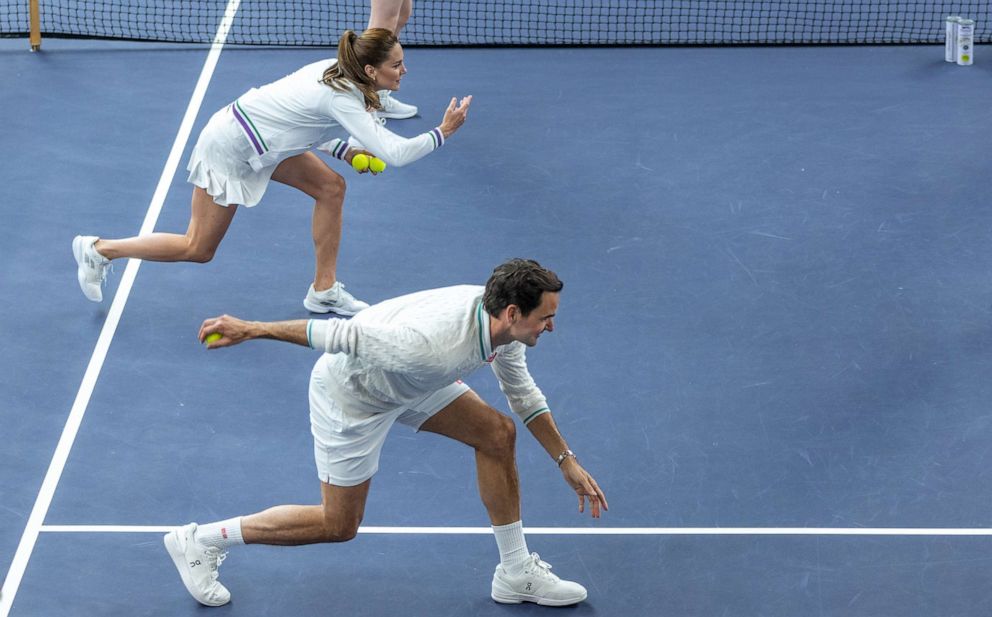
247, 130
438, 137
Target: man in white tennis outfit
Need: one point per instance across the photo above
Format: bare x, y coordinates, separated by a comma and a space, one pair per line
401, 360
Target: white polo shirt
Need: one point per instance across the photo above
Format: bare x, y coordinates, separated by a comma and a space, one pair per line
405, 348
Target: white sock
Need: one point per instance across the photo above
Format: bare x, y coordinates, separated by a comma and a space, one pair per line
512, 546
221, 534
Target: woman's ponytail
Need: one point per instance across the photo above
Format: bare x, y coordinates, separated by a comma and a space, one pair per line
354, 52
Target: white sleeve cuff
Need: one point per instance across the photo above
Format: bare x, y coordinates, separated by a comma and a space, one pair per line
437, 136
337, 148
317, 333
529, 416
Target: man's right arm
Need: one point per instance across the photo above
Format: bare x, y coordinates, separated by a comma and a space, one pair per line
234, 331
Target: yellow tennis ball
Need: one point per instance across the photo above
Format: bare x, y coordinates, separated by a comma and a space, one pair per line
360, 162
377, 165
216, 336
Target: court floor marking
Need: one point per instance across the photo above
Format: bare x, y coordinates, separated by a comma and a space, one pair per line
595, 531
44, 500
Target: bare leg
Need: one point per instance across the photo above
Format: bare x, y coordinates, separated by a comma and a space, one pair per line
207, 225
311, 175
390, 14
336, 520
493, 435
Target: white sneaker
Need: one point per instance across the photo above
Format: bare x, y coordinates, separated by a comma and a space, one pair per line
92, 267
395, 108
333, 300
537, 584
197, 565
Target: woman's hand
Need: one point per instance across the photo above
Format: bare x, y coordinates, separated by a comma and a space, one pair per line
454, 116
352, 153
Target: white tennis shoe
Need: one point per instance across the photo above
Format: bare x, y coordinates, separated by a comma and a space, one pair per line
92, 267
395, 108
333, 300
197, 565
536, 584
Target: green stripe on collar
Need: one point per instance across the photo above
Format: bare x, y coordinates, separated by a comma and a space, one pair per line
482, 344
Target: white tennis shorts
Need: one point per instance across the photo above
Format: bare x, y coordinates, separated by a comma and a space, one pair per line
219, 163
346, 446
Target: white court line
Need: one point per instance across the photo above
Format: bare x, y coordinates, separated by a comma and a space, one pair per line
595, 531
55, 468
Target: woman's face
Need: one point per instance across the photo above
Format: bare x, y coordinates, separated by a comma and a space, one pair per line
388, 74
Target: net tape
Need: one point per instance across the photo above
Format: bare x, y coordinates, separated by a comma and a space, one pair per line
513, 22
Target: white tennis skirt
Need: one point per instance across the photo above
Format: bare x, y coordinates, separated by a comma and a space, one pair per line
219, 163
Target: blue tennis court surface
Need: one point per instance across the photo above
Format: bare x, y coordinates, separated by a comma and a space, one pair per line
772, 352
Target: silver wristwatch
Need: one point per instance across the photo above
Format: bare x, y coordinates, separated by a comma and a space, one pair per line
564, 455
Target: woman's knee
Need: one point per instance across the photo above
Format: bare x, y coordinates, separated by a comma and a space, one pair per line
331, 188
200, 253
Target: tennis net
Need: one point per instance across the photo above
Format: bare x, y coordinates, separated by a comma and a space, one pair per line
510, 22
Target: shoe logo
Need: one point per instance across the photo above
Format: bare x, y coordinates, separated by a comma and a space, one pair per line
528, 586
195, 563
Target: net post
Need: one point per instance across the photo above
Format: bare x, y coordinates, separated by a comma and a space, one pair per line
35, 17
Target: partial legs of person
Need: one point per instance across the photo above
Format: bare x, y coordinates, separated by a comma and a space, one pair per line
208, 223
520, 576
198, 551
307, 173
392, 15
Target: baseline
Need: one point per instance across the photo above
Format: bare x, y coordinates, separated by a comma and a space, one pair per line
593, 531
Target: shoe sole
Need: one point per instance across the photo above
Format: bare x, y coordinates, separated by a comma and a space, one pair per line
323, 310
77, 252
518, 598
171, 542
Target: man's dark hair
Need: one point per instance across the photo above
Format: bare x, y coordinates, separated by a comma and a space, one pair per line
520, 282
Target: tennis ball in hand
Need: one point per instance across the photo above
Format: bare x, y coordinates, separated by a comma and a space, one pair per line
377, 165
360, 162
216, 336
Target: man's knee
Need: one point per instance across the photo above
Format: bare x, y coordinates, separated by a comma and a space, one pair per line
502, 437
340, 530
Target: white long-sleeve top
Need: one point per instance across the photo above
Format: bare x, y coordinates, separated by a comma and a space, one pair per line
299, 112
405, 348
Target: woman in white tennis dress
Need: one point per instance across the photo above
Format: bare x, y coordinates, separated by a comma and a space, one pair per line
269, 133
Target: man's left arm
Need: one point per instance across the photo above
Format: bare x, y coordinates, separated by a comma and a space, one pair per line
529, 404
543, 429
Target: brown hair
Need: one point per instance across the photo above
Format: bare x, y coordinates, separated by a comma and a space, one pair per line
354, 52
520, 282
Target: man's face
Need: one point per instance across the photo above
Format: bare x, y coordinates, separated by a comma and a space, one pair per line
528, 329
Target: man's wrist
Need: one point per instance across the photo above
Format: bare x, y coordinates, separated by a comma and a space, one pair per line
563, 456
